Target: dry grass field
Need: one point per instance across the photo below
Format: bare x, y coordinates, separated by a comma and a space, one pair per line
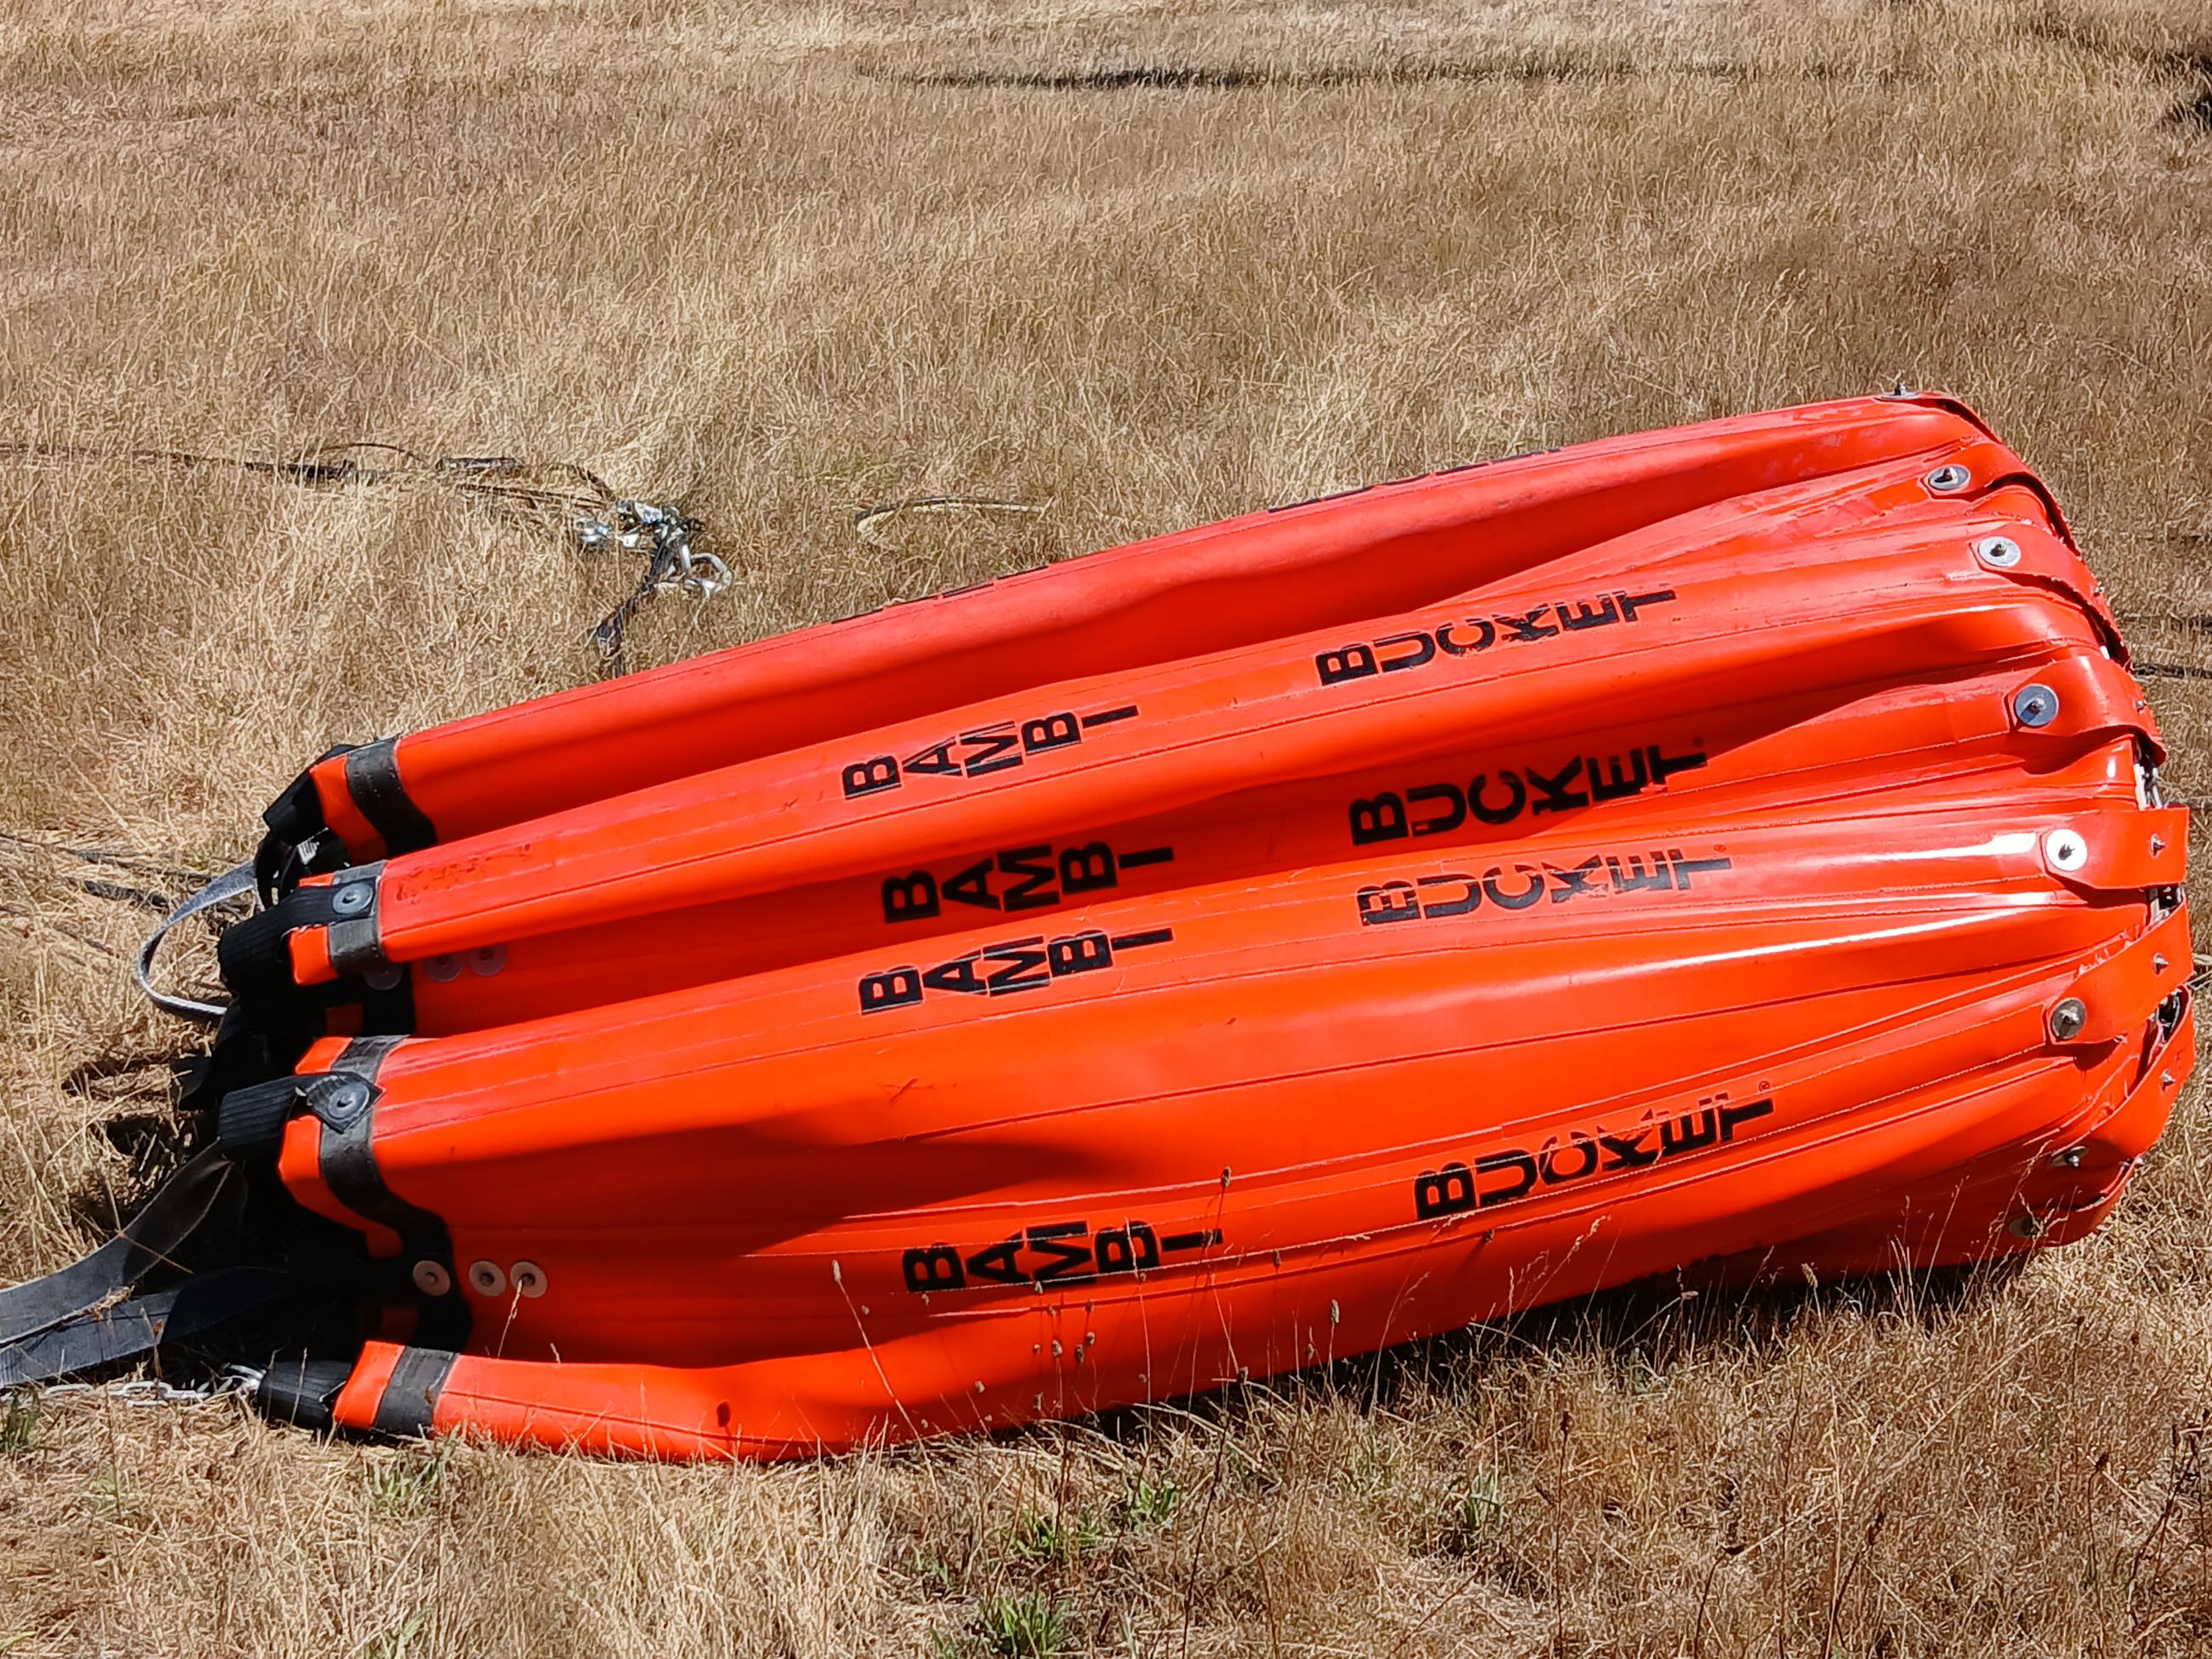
1140, 264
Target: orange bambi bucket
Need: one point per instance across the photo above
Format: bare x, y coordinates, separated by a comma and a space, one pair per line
1242, 949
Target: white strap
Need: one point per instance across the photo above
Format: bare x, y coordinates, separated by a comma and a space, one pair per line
228, 886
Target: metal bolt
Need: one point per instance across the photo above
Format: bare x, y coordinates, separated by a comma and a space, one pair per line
2068, 1017
2158, 962
2035, 704
527, 1277
2069, 1159
2065, 850
432, 1279
352, 898
2001, 551
2157, 845
1949, 479
486, 1278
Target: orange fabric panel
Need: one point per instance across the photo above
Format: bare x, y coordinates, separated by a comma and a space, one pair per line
1264, 575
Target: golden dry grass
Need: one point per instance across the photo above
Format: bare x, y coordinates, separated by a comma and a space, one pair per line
1149, 265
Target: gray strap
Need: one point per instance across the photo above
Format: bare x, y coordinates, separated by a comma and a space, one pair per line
150, 1241
139, 1325
228, 886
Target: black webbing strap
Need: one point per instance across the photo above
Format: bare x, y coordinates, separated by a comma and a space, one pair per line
90, 1341
372, 775
346, 1155
149, 1240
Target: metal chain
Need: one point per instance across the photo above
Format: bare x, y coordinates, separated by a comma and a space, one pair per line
233, 1382
557, 493
673, 565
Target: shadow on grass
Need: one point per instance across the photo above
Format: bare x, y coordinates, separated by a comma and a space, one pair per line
1187, 77
2193, 114
1643, 1329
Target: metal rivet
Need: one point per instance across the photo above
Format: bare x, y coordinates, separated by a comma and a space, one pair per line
2069, 1159
444, 969
2166, 1080
386, 978
2065, 850
2158, 962
354, 896
486, 1278
432, 1279
2001, 551
2025, 1227
346, 1101
2035, 704
527, 1277
487, 960
1949, 478
2068, 1017
2157, 845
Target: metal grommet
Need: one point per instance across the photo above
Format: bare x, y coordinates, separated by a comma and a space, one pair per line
2025, 1227
486, 1278
432, 1279
2067, 1016
2065, 850
1948, 479
444, 968
2001, 551
353, 898
2035, 704
487, 959
527, 1277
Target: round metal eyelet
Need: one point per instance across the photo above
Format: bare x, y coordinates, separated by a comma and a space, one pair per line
486, 1278
1948, 479
2067, 1017
432, 1279
2035, 704
2000, 551
2065, 850
352, 898
527, 1277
